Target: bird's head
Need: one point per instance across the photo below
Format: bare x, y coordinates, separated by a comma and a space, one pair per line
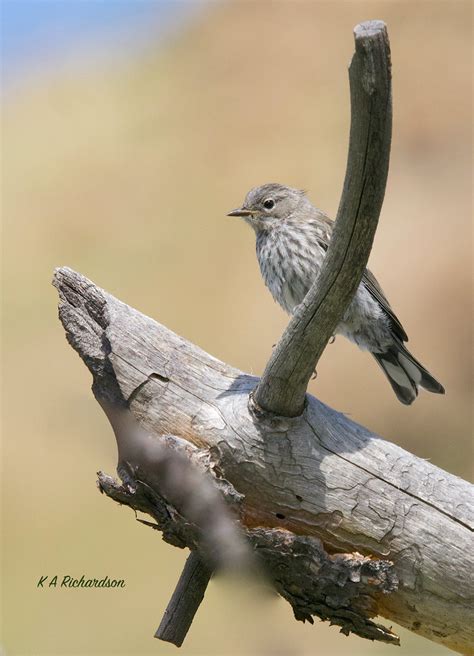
266, 205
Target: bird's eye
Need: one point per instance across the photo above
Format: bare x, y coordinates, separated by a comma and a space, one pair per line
269, 204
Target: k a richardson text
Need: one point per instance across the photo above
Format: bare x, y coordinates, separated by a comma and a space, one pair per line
67, 581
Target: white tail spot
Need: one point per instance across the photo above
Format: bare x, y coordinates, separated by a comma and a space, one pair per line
397, 374
411, 369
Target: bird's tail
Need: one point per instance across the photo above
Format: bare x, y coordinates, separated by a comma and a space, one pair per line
405, 374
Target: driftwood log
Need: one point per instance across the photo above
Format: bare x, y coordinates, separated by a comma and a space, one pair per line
316, 491
347, 525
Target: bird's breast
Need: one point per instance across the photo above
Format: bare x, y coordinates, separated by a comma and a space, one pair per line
289, 264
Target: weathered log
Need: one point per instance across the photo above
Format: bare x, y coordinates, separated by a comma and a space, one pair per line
314, 492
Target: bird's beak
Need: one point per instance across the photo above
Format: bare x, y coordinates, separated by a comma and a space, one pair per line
240, 211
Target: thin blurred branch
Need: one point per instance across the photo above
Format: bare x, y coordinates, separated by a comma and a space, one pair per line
175, 481
282, 388
197, 571
167, 480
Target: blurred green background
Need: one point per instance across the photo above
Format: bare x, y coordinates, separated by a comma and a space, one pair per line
121, 161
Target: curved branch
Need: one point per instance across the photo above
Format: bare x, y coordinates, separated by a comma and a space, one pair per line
282, 388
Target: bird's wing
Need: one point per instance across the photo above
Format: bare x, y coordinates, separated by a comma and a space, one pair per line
323, 227
368, 279
374, 289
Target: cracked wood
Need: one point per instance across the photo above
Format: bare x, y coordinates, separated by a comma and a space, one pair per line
318, 474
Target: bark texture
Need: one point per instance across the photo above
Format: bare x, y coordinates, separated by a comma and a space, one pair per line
349, 526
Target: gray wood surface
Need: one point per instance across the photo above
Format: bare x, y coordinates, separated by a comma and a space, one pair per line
314, 491
185, 601
284, 382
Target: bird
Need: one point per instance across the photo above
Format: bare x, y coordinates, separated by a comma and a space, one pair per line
292, 237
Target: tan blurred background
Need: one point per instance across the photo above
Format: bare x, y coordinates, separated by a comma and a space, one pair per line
124, 170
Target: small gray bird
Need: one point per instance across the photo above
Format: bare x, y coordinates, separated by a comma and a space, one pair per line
292, 240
